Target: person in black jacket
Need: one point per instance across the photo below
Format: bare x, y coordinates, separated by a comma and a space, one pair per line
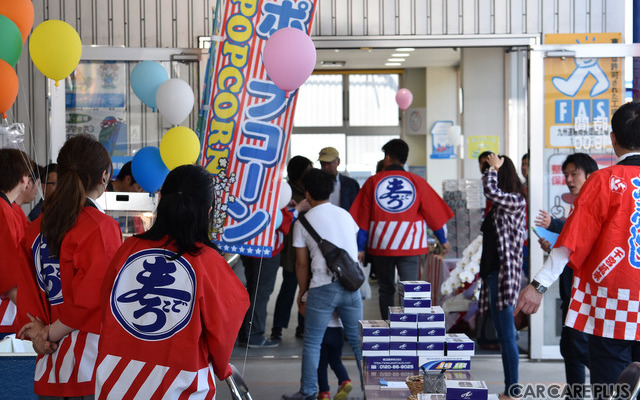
345, 189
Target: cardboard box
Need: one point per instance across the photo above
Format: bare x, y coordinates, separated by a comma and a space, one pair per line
398, 318
375, 349
431, 334
416, 305
403, 349
374, 331
415, 289
433, 319
459, 345
431, 349
446, 362
466, 390
403, 335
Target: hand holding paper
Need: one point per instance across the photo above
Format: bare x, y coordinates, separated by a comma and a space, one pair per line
545, 234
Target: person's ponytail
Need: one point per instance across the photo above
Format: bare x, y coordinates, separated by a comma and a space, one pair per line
61, 209
82, 162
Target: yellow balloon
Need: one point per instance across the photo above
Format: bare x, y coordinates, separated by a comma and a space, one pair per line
179, 146
55, 48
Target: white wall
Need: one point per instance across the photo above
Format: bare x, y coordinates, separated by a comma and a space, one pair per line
441, 86
414, 80
483, 99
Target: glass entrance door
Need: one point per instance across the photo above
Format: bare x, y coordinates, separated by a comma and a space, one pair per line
574, 91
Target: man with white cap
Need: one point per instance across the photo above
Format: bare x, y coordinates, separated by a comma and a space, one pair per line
345, 189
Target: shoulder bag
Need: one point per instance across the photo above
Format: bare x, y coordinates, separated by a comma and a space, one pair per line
344, 268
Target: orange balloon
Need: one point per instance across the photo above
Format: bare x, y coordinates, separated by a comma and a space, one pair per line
21, 13
9, 84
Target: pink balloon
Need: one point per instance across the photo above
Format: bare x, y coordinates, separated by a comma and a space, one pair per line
289, 57
404, 97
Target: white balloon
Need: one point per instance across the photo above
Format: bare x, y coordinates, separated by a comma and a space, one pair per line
174, 99
285, 195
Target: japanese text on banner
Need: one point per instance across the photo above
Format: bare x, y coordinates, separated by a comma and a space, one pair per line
249, 123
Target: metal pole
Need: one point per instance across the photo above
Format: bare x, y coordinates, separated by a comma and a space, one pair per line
636, 60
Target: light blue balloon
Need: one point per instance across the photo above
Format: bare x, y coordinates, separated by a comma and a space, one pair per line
148, 169
146, 78
278, 218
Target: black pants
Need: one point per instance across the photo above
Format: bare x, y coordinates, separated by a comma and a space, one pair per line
574, 347
408, 269
607, 359
261, 278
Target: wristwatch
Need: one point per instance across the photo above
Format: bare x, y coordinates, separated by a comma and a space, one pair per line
538, 286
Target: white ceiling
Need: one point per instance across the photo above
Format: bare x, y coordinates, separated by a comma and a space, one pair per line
376, 58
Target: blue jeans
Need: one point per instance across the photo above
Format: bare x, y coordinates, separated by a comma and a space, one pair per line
331, 354
506, 330
321, 303
385, 267
260, 283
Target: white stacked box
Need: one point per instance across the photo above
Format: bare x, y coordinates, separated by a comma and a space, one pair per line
459, 345
374, 338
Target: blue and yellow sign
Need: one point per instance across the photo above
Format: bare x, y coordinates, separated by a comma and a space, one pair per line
581, 94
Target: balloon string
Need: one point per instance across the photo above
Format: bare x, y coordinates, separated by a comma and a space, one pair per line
29, 128
253, 310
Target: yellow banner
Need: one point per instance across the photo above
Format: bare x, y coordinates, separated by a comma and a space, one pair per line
581, 94
476, 145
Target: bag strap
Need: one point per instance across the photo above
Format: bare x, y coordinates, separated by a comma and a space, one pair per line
310, 229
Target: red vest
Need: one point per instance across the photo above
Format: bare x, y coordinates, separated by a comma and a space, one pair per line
68, 288
396, 207
171, 324
603, 234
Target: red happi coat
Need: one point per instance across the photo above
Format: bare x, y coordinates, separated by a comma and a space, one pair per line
22, 218
169, 324
68, 288
11, 232
603, 235
396, 207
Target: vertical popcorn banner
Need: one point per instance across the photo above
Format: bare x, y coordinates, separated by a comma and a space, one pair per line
248, 123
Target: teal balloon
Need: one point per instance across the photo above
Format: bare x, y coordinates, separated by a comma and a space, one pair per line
148, 169
146, 78
10, 41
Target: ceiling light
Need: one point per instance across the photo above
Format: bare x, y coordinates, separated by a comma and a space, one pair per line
396, 59
405, 49
400, 55
392, 64
332, 64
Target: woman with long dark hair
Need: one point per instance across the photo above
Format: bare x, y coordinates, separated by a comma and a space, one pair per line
173, 306
503, 231
67, 251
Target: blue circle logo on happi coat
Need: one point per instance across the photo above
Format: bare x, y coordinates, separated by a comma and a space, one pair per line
153, 295
395, 194
47, 269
